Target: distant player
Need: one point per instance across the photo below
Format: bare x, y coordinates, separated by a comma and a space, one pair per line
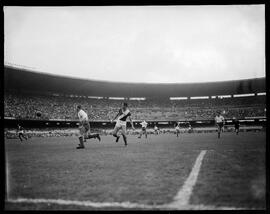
219, 120
143, 131
236, 125
190, 129
177, 128
20, 131
121, 123
84, 128
156, 130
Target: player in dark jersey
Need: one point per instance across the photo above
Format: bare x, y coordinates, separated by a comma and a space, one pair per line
121, 123
20, 130
236, 125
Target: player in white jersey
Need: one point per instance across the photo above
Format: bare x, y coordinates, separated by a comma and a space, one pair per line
190, 129
143, 131
84, 128
121, 123
219, 120
177, 128
156, 130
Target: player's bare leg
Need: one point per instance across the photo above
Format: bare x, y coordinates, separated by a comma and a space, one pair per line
20, 136
115, 133
81, 138
219, 130
124, 134
140, 134
177, 133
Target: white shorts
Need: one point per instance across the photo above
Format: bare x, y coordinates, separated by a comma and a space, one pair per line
120, 123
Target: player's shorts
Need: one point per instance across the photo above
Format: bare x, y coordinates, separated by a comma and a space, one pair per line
177, 129
220, 125
143, 129
85, 127
120, 123
20, 132
236, 126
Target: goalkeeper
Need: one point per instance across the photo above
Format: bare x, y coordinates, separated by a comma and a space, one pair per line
84, 128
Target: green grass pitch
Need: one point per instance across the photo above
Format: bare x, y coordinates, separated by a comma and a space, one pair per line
146, 171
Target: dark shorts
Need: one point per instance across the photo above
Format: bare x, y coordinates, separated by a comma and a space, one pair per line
220, 125
143, 128
86, 126
236, 126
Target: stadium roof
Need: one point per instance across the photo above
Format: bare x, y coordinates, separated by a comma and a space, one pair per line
18, 79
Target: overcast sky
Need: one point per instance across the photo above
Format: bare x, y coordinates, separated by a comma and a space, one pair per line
139, 44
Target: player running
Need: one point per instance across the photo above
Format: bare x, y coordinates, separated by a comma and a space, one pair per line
84, 128
177, 128
219, 120
236, 125
121, 123
20, 131
144, 125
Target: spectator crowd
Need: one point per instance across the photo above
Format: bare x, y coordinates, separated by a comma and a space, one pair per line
41, 107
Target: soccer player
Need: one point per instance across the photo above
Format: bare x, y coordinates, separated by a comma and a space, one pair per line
190, 129
219, 120
236, 125
84, 128
156, 130
121, 123
177, 128
144, 125
21, 133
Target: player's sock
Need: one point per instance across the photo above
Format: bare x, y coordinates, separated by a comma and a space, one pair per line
81, 146
92, 136
117, 137
125, 140
219, 135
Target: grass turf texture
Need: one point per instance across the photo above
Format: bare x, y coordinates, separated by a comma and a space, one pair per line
145, 172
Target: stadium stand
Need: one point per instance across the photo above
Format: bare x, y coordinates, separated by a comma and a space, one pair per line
32, 95
26, 106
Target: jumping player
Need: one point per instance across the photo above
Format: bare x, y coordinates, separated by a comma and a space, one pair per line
84, 128
21, 133
144, 125
177, 128
121, 123
236, 125
219, 120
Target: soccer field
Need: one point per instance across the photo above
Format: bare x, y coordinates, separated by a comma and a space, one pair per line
194, 171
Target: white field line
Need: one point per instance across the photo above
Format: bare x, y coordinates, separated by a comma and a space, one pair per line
127, 205
183, 196
181, 200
